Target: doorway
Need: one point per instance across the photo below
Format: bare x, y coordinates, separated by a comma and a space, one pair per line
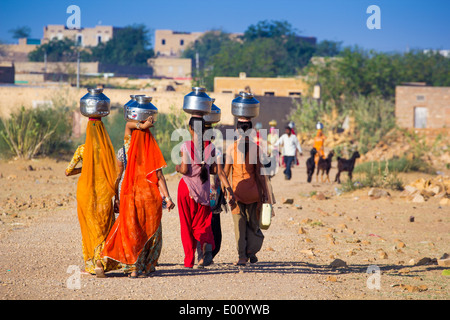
420, 117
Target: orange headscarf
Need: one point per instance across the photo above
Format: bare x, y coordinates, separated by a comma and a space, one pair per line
140, 200
95, 190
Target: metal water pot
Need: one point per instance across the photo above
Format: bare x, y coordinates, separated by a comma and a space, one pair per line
131, 102
214, 115
245, 106
197, 102
140, 109
95, 103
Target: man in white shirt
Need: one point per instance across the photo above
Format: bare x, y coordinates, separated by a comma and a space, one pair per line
290, 147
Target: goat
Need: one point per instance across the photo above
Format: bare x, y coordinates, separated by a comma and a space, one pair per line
346, 165
324, 165
311, 164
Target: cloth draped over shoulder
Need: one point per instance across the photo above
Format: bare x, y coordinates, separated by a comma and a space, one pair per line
140, 203
198, 191
95, 191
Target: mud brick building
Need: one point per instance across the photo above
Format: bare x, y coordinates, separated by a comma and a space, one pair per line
422, 107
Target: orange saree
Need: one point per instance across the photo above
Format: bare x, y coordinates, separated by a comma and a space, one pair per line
319, 141
94, 193
135, 239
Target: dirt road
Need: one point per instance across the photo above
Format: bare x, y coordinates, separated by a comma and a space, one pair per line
40, 246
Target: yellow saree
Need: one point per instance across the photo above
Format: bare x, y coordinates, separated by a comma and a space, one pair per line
94, 194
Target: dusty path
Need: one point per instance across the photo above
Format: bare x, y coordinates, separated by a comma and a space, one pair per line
38, 246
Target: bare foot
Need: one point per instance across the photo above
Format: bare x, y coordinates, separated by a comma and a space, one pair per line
100, 273
241, 262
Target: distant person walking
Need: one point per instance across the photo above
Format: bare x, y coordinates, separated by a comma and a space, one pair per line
319, 143
291, 146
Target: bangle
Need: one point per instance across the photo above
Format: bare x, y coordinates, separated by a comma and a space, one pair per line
138, 125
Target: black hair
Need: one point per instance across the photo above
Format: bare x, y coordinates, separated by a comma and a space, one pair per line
204, 174
244, 125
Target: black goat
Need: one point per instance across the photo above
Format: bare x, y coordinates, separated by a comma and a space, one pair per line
324, 165
311, 164
346, 165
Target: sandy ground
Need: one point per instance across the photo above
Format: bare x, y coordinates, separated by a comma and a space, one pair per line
40, 246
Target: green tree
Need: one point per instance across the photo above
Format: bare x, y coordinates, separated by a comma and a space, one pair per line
57, 50
130, 46
20, 32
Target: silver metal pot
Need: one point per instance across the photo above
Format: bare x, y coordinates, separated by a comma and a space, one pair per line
245, 106
140, 109
197, 102
95, 103
319, 125
131, 102
214, 115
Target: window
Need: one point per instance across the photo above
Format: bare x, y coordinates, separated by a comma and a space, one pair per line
79, 40
163, 42
420, 98
181, 42
227, 91
99, 39
295, 94
269, 93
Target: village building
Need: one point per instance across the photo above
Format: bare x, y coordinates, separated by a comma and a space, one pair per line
422, 107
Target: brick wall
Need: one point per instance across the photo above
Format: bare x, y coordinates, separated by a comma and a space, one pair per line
436, 100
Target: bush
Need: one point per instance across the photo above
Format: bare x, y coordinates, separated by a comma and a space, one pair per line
395, 165
41, 131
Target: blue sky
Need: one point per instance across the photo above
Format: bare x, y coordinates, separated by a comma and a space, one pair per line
405, 24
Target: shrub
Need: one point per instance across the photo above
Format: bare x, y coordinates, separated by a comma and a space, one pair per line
28, 133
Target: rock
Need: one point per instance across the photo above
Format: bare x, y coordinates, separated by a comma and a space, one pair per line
332, 278
375, 193
319, 196
418, 198
308, 252
338, 263
427, 194
323, 213
444, 262
445, 256
342, 226
445, 202
12, 177
400, 245
307, 240
426, 261
382, 254
301, 231
411, 288
288, 201
306, 221
411, 219
410, 189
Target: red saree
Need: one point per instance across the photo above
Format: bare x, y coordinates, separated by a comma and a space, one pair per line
135, 238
